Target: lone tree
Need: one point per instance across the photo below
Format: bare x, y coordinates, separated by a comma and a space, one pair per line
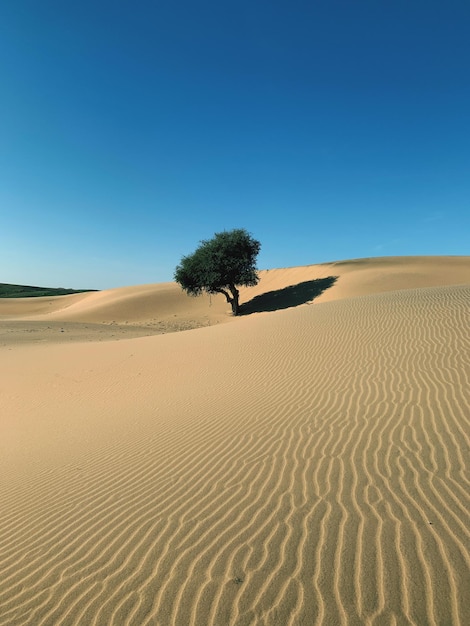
219, 265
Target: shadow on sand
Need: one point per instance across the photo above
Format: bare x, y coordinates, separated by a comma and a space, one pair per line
288, 297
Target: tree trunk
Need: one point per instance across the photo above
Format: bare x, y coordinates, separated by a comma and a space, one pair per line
234, 300
235, 305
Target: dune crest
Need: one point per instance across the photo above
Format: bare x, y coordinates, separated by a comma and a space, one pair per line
304, 466
164, 307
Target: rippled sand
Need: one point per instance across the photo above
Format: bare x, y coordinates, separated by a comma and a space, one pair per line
297, 465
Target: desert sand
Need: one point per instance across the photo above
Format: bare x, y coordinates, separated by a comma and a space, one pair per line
304, 463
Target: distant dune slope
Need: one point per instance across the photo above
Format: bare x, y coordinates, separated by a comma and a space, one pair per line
306, 466
150, 304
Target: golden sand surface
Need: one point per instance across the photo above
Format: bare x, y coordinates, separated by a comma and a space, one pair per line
304, 463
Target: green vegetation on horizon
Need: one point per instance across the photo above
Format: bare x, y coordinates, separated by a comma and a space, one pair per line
26, 291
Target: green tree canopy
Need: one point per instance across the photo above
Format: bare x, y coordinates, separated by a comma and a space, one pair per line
221, 264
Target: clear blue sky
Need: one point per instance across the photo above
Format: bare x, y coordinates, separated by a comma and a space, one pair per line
129, 131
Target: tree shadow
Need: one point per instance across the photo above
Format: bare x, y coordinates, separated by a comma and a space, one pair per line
288, 297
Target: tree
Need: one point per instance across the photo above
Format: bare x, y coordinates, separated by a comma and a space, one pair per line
221, 264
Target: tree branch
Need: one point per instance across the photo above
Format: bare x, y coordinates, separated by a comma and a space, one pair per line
229, 299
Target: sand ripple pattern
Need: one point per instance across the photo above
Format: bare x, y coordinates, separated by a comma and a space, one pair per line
310, 467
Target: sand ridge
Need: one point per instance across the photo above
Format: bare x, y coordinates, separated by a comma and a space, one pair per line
307, 465
160, 308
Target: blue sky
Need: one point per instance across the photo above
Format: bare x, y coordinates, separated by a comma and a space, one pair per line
129, 131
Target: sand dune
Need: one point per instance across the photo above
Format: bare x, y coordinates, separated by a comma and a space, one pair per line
305, 465
160, 308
